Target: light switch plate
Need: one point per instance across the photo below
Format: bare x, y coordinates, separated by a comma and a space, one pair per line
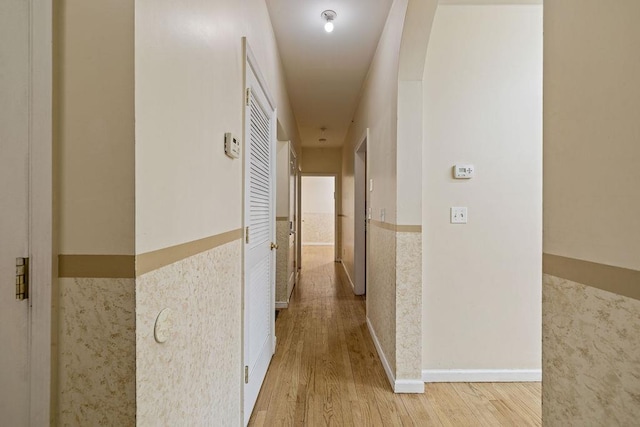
459, 215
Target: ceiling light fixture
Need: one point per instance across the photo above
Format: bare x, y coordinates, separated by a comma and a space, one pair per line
329, 16
322, 139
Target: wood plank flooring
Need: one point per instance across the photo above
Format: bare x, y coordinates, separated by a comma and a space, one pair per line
326, 371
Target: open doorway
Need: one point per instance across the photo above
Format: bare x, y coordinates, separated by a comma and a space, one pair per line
319, 214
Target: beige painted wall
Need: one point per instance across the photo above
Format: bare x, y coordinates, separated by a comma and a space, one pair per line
483, 105
592, 102
189, 83
94, 126
591, 209
321, 160
94, 324
189, 70
377, 111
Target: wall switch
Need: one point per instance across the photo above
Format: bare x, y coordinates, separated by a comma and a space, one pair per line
463, 171
383, 213
458, 215
371, 184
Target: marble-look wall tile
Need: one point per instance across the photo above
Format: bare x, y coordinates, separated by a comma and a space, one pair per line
409, 306
347, 252
282, 261
381, 289
591, 356
194, 378
318, 228
96, 359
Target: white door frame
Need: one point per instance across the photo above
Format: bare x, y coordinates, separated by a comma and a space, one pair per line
360, 248
41, 254
293, 209
251, 66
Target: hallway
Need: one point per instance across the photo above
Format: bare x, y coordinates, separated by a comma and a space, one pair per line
326, 370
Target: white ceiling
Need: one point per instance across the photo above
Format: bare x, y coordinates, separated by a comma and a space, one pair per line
325, 71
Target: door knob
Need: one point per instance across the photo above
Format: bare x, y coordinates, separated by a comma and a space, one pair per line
274, 246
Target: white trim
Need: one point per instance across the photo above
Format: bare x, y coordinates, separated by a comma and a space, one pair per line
398, 386
253, 64
281, 305
383, 358
361, 199
316, 244
252, 72
344, 267
481, 375
409, 386
41, 211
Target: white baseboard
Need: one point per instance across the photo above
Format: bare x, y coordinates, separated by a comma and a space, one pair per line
280, 305
399, 386
316, 244
481, 375
344, 267
408, 386
383, 358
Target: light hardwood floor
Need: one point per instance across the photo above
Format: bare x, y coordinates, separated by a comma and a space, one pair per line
326, 370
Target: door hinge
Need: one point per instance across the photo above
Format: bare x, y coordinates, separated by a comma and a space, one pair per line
246, 375
22, 278
248, 96
246, 234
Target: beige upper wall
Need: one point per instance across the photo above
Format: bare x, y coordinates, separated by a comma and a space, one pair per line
592, 131
189, 92
377, 111
94, 126
318, 194
483, 106
282, 179
321, 160
259, 32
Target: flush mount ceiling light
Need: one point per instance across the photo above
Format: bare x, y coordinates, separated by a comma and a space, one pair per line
322, 139
329, 16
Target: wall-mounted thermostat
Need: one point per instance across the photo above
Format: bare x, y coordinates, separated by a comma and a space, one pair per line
463, 171
231, 146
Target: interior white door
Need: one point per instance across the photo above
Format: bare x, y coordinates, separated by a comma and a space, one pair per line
14, 216
259, 256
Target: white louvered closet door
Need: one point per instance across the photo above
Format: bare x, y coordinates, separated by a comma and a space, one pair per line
259, 309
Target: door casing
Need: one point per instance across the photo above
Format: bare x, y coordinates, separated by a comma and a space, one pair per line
360, 249
42, 270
